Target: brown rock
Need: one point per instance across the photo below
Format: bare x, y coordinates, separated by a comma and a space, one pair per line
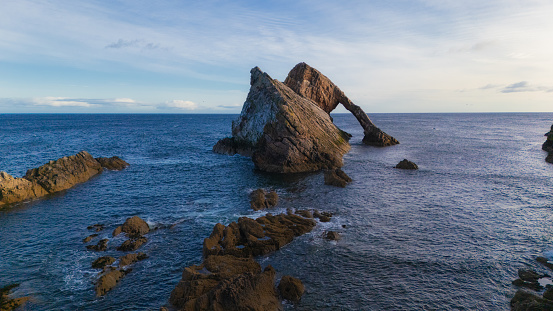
323, 217
117, 231
332, 236
271, 198
132, 244
96, 227
406, 165
114, 163
89, 238
134, 227
336, 177
131, 258
7, 303
287, 133
310, 83
100, 247
108, 281
101, 262
65, 172
259, 199
14, 190
291, 288
523, 301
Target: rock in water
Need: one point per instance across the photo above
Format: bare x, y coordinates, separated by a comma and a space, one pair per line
406, 165
65, 172
114, 163
259, 199
14, 189
310, 83
336, 177
549, 158
291, 288
548, 144
134, 227
284, 132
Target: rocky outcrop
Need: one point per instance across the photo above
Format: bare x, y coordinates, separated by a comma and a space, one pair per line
134, 227
229, 278
529, 279
548, 144
100, 247
108, 280
129, 259
260, 199
406, 165
49, 178
524, 301
132, 244
283, 131
336, 177
7, 303
291, 288
102, 262
310, 83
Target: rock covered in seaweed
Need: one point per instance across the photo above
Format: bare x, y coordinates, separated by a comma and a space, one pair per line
283, 131
49, 178
310, 83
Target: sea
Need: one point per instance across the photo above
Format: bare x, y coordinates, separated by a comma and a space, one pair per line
449, 236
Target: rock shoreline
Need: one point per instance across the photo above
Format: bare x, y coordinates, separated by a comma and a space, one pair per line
54, 176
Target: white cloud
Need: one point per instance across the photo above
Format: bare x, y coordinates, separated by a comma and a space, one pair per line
180, 104
61, 102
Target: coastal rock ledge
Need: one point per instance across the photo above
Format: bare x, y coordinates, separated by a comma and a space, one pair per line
287, 128
53, 177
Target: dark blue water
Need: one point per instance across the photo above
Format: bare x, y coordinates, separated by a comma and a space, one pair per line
449, 236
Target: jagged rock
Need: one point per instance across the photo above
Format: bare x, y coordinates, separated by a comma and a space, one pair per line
406, 165
291, 288
132, 244
131, 258
336, 177
310, 83
134, 227
14, 189
284, 132
259, 199
49, 178
548, 144
108, 281
102, 262
89, 238
523, 301
100, 247
256, 237
332, 236
65, 172
7, 303
114, 163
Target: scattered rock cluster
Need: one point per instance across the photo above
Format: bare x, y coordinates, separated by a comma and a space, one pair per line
7, 303
229, 278
406, 165
134, 227
336, 177
260, 199
548, 145
529, 279
54, 176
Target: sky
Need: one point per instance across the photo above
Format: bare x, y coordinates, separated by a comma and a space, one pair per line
180, 56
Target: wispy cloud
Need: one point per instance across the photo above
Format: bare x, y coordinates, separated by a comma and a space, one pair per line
140, 44
180, 104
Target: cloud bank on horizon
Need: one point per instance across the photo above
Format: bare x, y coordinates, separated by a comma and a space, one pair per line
182, 56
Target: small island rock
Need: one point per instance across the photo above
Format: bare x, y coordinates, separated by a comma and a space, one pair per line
407, 165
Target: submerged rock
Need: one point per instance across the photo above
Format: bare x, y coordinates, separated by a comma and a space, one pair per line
89, 238
131, 258
132, 244
102, 262
49, 178
310, 83
7, 303
406, 165
100, 247
114, 163
523, 301
259, 199
291, 288
283, 131
336, 177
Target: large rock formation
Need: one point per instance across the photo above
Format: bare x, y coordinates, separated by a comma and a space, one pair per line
310, 83
52, 177
229, 278
283, 131
548, 146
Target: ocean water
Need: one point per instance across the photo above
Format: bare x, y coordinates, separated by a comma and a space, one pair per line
450, 236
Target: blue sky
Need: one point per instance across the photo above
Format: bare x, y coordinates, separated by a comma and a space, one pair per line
172, 56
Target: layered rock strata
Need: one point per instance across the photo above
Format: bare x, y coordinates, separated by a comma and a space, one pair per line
283, 131
229, 278
310, 83
52, 177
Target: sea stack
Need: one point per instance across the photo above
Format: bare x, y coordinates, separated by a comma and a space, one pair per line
283, 131
548, 145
